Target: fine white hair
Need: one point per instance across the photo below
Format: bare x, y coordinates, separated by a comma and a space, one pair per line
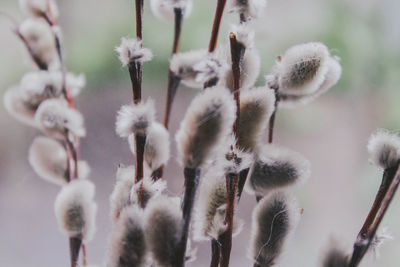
384, 149
131, 51
135, 118
156, 150
17, 107
121, 195
164, 9
57, 120
207, 122
75, 209
250, 9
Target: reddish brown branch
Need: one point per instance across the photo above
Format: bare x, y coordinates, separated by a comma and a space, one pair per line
139, 18
216, 25
74, 247
140, 144
215, 253
272, 119
389, 185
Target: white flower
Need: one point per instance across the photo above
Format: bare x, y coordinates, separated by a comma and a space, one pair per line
57, 120
131, 51
164, 9
75, 209
135, 118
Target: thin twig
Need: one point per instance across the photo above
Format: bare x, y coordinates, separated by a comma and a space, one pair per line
389, 185
139, 18
74, 247
192, 178
216, 25
140, 144
84, 255
215, 253
272, 119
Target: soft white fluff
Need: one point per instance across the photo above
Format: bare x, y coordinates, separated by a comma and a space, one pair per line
135, 118
274, 219
163, 226
156, 150
75, 209
164, 9
38, 8
210, 207
277, 167
331, 78
244, 34
57, 120
121, 195
379, 239
335, 255
250, 68
131, 51
149, 189
207, 122
41, 41
384, 149
256, 108
49, 160
209, 68
302, 69
182, 65
127, 244
18, 108
234, 159
250, 9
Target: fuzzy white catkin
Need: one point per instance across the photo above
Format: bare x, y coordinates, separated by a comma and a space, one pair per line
384, 149
17, 107
148, 188
182, 65
38, 8
302, 68
120, 197
207, 122
131, 51
250, 9
164, 9
57, 120
335, 255
156, 150
49, 160
331, 78
213, 66
135, 118
127, 245
277, 167
274, 218
75, 209
41, 41
163, 226
256, 108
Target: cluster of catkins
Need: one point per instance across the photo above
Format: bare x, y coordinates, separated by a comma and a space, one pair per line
220, 147
44, 99
220, 143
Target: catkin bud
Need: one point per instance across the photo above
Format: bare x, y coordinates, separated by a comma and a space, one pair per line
207, 122
75, 209
273, 220
156, 150
120, 197
164, 9
131, 51
57, 120
127, 245
250, 9
146, 189
17, 107
163, 227
135, 118
384, 149
256, 108
40, 39
38, 8
277, 167
335, 255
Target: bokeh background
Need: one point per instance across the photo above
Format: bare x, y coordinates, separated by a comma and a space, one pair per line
331, 132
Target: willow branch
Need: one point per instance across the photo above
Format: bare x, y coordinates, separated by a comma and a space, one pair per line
216, 25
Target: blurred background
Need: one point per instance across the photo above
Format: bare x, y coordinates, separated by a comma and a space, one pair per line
331, 132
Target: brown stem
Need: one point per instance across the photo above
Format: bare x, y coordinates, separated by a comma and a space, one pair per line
232, 180
237, 53
192, 178
139, 18
387, 189
178, 29
242, 181
272, 119
217, 23
73, 154
215, 253
84, 255
74, 247
134, 69
140, 143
